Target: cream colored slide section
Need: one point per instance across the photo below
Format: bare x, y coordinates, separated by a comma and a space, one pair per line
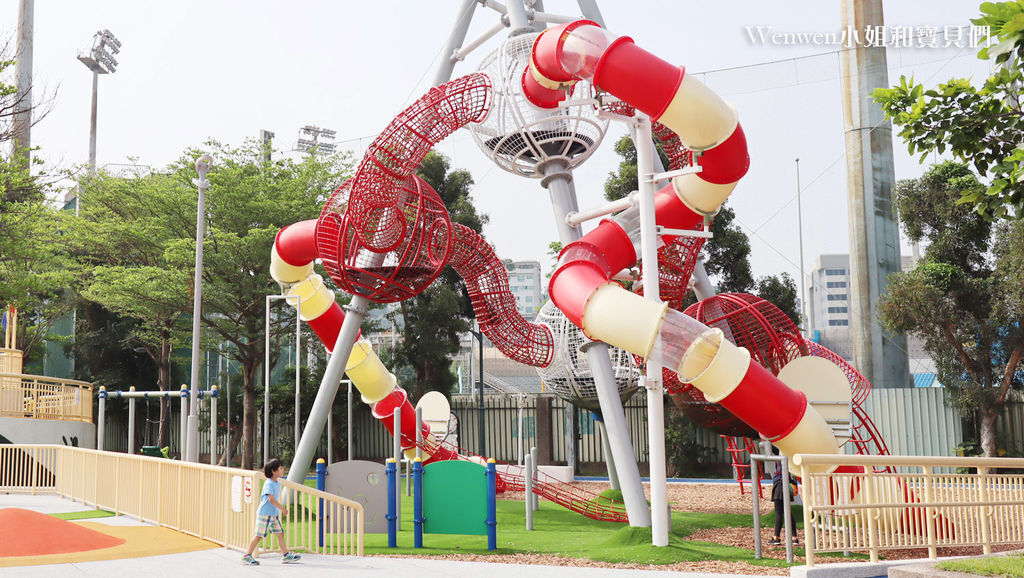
714, 366
827, 389
314, 297
623, 319
368, 374
699, 116
701, 196
282, 272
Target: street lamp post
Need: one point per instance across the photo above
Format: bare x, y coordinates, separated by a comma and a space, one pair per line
192, 439
482, 446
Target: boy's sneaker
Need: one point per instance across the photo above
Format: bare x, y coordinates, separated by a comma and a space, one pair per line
248, 560
290, 557
774, 542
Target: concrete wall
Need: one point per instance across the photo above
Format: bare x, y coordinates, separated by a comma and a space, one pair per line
46, 431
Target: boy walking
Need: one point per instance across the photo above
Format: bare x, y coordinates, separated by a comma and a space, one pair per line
268, 515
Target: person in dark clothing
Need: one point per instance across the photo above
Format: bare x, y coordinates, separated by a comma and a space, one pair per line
779, 500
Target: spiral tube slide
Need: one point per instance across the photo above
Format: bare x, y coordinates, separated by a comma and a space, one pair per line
581, 285
291, 265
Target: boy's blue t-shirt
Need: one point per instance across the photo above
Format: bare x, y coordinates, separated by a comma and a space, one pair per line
270, 487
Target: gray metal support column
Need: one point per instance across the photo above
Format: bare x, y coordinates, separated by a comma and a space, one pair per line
874, 234
455, 39
101, 420
613, 474
21, 125
557, 180
590, 11
131, 424
356, 312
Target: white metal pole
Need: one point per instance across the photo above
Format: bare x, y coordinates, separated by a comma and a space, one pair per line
101, 418
192, 439
227, 410
800, 233
520, 429
266, 383
183, 421
398, 467
349, 422
213, 426
298, 369
330, 436
655, 395
131, 422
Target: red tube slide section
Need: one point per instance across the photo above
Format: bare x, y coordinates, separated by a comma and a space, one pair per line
581, 285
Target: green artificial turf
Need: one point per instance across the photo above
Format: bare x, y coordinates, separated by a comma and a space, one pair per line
1011, 566
83, 515
561, 532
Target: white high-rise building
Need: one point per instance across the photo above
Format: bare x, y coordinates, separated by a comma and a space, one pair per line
526, 282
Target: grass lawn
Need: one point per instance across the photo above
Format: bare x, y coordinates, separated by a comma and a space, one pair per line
1011, 566
560, 532
84, 515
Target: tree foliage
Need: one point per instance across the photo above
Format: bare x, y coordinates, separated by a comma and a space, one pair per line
984, 126
963, 303
726, 255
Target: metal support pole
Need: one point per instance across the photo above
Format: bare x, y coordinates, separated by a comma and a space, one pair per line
349, 423
92, 129
398, 466
800, 233
298, 372
482, 445
455, 38
192, 439
131, 422
655, 393
330, 435
755, 492
266, 382
533, 476
528, 475
521, 434
227, 420
101, 418
21, 126
613, 476
213, 426
183, 421
328, 389
558, 182
419, 433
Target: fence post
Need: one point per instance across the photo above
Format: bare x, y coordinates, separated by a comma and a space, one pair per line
213, 426
872, 513
389, 470
810, 497
492, 507
755, 495
986, 519
929, 511
417, 501
321, 483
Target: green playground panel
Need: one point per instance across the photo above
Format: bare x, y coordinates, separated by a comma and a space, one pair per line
455, 498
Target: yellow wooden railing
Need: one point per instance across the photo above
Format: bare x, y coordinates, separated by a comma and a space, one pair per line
209, 502
914, 507
40, 397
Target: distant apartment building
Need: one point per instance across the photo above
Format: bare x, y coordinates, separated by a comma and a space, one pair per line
829, 313
526, 282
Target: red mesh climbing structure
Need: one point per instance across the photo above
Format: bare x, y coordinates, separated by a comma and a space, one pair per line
385, 234
493, 303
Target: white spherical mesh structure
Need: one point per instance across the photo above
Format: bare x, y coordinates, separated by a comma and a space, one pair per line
569, 375
517, 135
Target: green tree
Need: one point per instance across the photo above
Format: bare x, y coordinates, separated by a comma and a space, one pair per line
121, 238
727, 255
432, 322
966, 306
983, 127
248, 202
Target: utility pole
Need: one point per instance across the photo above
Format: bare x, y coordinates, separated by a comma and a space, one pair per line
874, 235
21, 126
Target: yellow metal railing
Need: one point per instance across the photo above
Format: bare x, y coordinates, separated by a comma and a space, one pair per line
209, 502
911, 508
40, 397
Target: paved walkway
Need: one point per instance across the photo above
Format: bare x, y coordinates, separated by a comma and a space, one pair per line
222, 562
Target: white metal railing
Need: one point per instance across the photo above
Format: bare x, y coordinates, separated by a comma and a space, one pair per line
860, 507
210, 502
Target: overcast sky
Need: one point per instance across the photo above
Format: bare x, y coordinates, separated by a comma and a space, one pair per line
193, 70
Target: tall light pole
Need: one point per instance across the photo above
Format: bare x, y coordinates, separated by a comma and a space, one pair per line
192, 440
804, 306
100, 60
21, 123
321, 139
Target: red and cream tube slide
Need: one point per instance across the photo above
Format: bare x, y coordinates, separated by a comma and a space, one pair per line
581, 285
291, 265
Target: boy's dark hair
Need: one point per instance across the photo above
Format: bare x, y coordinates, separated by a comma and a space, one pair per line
273, 464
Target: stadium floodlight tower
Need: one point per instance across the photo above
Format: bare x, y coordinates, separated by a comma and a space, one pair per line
100, 60
546, 144
313, 137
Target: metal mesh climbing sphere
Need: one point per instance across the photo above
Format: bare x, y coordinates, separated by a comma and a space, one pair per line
415, 233
518, 135
569, 375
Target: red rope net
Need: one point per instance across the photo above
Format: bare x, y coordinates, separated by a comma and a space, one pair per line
385, 234
493, 303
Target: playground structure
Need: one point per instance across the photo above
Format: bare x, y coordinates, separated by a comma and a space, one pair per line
131, 395
538, 107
